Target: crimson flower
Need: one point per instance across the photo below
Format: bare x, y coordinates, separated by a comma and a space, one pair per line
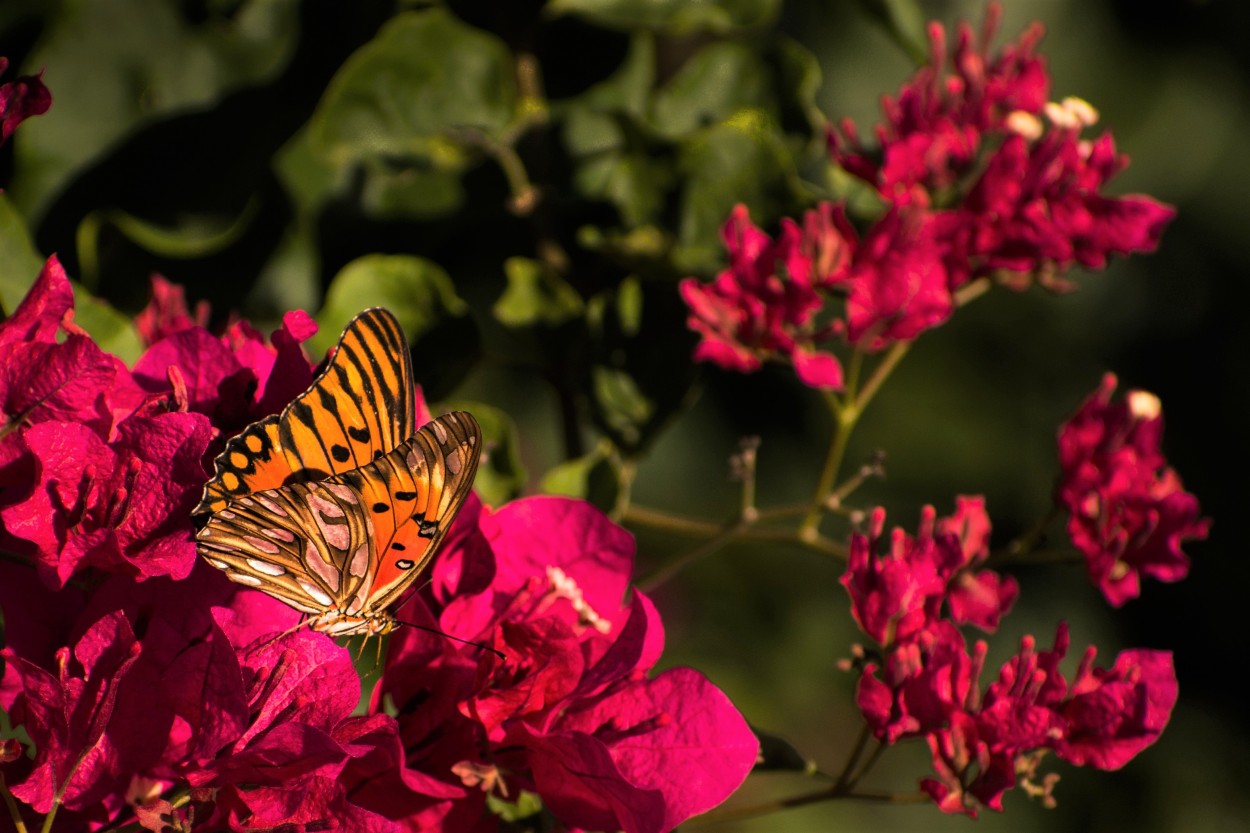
571, 713
1102, 718
983, 741
898, 590
897, 283
949, 112
765, 305
21, 98
167, 313
234, 379
152, 688
1128, 512
95, 474
1015, 186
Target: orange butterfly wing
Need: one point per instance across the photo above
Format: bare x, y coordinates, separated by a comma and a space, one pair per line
346, 547
360, 408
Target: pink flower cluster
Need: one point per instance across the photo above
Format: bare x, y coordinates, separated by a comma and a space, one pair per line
21, 98
570, 712
149, 689
979, 175
923, 681
1127, 511
100, 465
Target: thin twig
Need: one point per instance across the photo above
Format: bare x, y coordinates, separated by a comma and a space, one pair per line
14, 811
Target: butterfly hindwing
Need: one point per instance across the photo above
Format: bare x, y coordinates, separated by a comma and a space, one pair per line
353, 542
358, 409
308, 544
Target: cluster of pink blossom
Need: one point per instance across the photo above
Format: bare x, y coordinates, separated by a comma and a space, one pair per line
21, 98
144, 687
910, 594
978, 175
1127, 511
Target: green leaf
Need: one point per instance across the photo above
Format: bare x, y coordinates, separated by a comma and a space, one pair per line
424, 78
288, 280
414, 191
620, 404
114, 332
777, 753
799, 77
710, 87
115, 66
307, 178
527, 804
905, 23
500, 475
628, 89
591, 476
671, 16
742, 160
535, 295
640, 374
636, 180
19, 260
629, 306
444, 338
418, 291
20, 265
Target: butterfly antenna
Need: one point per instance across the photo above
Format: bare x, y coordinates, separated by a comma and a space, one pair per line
479, 645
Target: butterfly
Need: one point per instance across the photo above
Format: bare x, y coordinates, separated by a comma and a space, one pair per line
336, 504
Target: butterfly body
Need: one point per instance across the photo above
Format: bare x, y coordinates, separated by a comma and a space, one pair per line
345, 530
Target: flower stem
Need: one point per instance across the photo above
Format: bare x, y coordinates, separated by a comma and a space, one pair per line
1019, 550
681, 562
668, 522
843, 421
827, 794
14, 812
844, 779
47, 820
879, 374
626, 473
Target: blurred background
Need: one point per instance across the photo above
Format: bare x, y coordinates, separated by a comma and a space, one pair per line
244, 150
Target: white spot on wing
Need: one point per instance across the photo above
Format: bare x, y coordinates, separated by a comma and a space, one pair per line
244, 578
326, 572
261, 544
360, 561
323, 505
341, 491
266, 567
271, 506
316, 593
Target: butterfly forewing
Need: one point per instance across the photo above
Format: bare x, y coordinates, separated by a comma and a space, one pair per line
353, 542
360, 408
414, 494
